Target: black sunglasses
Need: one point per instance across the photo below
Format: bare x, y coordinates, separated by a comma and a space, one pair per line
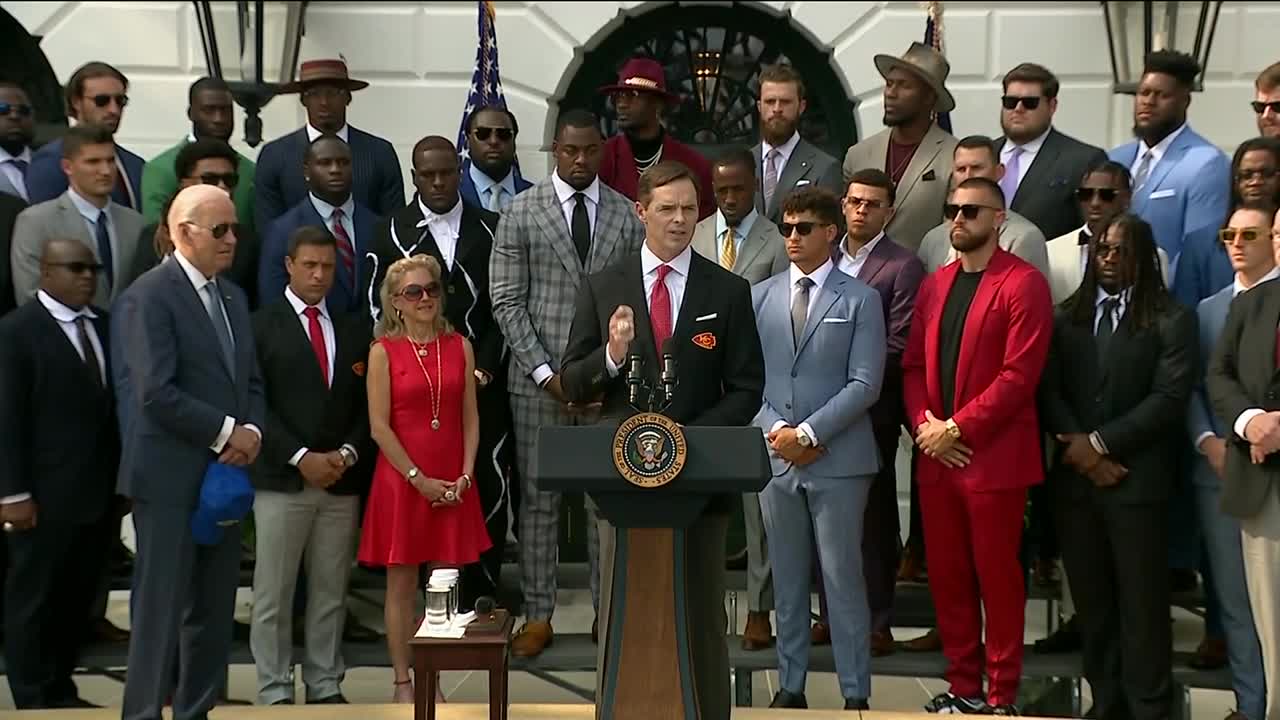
19, 109
104, 99
504, 134
1085, 194
218, 231
228, 179
1011, 101
78, 268
414, 292
801, 228
1261, 107
970, 212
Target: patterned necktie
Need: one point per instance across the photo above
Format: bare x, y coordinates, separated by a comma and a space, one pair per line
495, 198
317, 340
660, 309
800, 309
770, 175
1009, 183
728, 249
90, 355
1144, 170
103, 233
346, 251
213, 305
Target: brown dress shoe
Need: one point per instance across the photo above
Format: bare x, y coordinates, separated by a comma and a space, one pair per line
882, 643
758, 634
929, 642
1210, 655
820, 634
531, 639
911, 569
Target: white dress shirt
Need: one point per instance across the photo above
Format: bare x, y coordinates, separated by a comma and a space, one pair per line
91, 213
1242, 421
198, 281
325, 210
486, 186
784, 153
1157, 152
565, 193
851, 265
676, 282
344, 132
819, 277
12, 173
330, 348
1029, 152
740, 233
444, 229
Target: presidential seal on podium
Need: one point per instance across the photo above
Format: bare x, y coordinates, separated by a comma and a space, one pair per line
649, 450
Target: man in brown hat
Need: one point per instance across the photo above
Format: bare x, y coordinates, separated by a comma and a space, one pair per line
324, 89
912, 148
639, 97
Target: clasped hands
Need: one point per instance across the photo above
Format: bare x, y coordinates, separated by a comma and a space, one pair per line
241, 448
438, 491
322, 470
1263, 434
1081, 455
935, 441
785, 443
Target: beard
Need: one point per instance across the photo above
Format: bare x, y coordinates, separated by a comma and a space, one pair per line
964, 241
777, 132
1157, 130
15, 144
1022, 135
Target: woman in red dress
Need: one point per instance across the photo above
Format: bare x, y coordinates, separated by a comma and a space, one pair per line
422, 415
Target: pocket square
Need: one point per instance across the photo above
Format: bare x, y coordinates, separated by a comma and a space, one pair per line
1163, 194
801, 183
835, 320
929, 176
712, 316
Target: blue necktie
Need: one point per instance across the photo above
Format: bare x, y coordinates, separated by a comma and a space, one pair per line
104, 248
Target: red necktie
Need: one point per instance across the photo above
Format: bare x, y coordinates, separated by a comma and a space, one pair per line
317, 340
346, 253
660, 309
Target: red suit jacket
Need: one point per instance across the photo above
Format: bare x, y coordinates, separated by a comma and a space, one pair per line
618, 168
1003, 351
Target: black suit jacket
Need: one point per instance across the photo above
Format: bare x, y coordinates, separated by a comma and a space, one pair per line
1046, 195
721, 377
301, 410
59, 439
10, 206
244, 267
1136, 400
1243, 375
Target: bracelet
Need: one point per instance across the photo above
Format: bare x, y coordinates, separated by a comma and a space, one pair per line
467, 477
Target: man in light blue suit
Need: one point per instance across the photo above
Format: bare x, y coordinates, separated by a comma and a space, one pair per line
1181, 181
1248, 245
824, 344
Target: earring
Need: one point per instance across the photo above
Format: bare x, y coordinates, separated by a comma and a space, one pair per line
399, 314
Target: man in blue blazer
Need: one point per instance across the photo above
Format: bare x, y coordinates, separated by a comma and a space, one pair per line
823, 335
96, 96
330, 203
490, 177
325, 91
1249, 249
1181, 181
190, 394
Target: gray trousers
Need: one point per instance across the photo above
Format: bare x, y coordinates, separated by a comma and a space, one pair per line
319, 528
759, 575
1260, 543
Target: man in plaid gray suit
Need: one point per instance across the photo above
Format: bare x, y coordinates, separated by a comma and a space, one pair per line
548, 240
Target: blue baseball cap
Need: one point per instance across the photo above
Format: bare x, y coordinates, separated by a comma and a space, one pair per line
226, 497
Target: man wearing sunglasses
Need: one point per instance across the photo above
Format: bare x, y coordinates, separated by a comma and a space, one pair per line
85, 211
212, 116
1041, 164
970, 395
17, 130
96, 96
490, 177
1266, 101
61, 450
324, 88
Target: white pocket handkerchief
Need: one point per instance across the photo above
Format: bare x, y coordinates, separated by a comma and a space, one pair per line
801, 183
712, 316
835, 320
1163, 194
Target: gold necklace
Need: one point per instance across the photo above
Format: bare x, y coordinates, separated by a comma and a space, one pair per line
420, 353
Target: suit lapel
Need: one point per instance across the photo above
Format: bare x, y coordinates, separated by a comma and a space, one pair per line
65, 347
1041, 168
988, 287
920, 161
633, 295
550, 219
827, 297
796, 167
297, 337
609, 219
1172, 157
874, 262
697, 293
186, 293
752, 245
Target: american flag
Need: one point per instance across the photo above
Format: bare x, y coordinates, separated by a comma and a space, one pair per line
933, 38
486, 87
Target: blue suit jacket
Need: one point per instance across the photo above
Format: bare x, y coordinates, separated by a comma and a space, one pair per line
173, 387
46, 181
1186, 196
832, 379
467, 187
1212, 316
1204, 270
272, 277
377, 181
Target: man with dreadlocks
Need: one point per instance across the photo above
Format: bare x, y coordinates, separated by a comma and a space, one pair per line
1115, 390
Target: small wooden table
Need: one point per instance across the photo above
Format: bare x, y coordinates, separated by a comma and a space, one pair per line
483, 647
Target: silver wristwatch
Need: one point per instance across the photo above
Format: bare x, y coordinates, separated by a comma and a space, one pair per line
348, 458
803, 439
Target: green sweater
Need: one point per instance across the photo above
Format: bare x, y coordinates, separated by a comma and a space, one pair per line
160, 182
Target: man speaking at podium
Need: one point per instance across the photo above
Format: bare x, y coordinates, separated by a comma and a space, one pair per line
670, 301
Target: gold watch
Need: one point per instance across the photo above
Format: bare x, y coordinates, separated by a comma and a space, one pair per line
953, 430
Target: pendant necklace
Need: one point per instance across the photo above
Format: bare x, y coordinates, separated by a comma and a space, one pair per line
646, 163
421, 352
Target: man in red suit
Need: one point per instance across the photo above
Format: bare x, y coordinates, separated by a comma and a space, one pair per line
978, 343
639, 97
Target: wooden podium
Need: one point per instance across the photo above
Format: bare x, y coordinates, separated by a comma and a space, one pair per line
647, 659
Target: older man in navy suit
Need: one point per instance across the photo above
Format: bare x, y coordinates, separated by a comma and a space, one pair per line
330, 204
190, 394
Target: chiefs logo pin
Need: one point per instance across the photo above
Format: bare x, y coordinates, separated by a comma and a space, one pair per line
705, 340
358, 369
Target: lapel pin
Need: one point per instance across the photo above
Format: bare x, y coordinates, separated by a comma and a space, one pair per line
706, 340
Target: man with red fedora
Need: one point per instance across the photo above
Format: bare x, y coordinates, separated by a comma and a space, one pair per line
324, 89
639, 97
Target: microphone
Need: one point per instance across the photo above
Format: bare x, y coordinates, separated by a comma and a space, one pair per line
635, 377
669, 379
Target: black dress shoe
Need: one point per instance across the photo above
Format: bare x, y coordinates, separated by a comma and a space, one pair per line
72, 702
793, 701
856, 704
1066, 639
331, 700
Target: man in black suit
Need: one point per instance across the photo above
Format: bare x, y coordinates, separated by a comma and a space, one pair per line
1114, 395
308, 483
191, 394
59, 448
460, 237
670, 299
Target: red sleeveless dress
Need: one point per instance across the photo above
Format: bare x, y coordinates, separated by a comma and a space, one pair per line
400, 526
